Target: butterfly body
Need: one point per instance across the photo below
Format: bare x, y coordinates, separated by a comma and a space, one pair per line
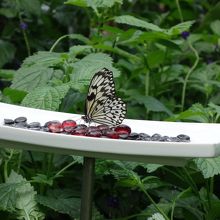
102, 105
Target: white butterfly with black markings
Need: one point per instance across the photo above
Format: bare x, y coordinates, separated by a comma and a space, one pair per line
102, 105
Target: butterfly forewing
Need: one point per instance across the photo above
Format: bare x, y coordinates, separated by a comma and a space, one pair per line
102, 106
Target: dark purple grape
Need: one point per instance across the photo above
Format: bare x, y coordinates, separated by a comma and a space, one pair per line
183, 137
155, 137
174, 139
20, 119
133, 136
34, 125
94, 134
8, 121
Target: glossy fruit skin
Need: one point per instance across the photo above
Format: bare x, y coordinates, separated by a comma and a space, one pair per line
123, 129
94, 134
55, 127
103, 128
69, 123
112, 134
79, 132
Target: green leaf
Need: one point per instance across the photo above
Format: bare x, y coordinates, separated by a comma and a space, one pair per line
208, 166
33, 6
29, 78
152, 167
195, 113
132, 58
46, 97
80, 3
43, 179
85, 68
44, 59
215, 26
18, 196
155, 58
103, 3
189, 115
94, 3
179, 28
8, 12
80, 49
133, 21
15, 95
7, 52
153, 104
61, 201
7, 74
80, 37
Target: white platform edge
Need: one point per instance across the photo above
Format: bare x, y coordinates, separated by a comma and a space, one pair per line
205, 139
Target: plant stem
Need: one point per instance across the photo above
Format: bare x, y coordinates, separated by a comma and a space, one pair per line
64, 168
179, 10
19, 161
174, 202
57, 41
188, 74
152, 201
6, 164
25, 37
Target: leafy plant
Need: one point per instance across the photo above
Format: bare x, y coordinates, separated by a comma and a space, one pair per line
165, 60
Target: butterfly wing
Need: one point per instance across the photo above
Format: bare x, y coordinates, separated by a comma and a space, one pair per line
112, 112
102, 106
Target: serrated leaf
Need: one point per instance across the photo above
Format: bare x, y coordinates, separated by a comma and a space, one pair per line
29, 78
61, 201
7, 52
85, 68
46, 97
179, 28
18, 197
208, 166
133, 21
44, 59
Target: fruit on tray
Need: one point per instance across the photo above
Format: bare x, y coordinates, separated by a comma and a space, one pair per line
70, 127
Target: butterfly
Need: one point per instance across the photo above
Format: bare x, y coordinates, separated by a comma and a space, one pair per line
102, 105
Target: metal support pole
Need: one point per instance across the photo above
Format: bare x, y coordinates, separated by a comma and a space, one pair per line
87, 188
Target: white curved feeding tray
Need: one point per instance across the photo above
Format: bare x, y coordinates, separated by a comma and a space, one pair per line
205, 139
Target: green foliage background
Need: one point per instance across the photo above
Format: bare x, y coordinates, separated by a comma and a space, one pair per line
49, 50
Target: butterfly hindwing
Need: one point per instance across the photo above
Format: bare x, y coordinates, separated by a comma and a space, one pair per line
102, 106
